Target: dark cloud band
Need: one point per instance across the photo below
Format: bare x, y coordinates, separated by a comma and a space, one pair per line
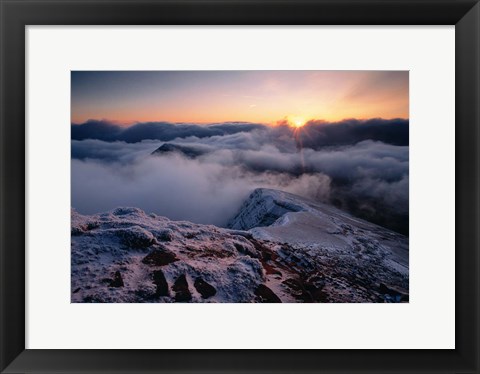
314, 134
164, 131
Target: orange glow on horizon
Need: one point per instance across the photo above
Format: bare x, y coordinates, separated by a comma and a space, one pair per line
239, 96
297, 124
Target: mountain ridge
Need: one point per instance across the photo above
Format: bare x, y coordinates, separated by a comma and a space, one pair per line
306, 252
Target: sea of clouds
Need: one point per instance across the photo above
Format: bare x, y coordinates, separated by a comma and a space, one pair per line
360, 166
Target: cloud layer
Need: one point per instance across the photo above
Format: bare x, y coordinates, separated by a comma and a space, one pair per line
107, 131
361, 166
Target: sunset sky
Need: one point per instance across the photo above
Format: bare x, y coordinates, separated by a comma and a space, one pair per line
267, 97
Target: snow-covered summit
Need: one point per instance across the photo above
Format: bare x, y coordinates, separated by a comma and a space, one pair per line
278, 215
263, 207
286, 218
280, 248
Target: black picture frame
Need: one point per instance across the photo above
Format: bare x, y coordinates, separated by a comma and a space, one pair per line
16, 14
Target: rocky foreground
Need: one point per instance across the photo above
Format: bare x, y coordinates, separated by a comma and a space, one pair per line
280, 248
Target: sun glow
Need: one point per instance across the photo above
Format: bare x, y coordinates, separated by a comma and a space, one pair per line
296, 122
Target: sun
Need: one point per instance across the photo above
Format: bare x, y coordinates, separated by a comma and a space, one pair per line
296, 122
299, 123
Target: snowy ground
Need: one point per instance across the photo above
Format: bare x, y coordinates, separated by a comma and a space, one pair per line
279, 248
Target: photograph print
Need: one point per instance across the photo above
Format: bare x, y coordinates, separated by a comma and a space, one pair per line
240, 186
